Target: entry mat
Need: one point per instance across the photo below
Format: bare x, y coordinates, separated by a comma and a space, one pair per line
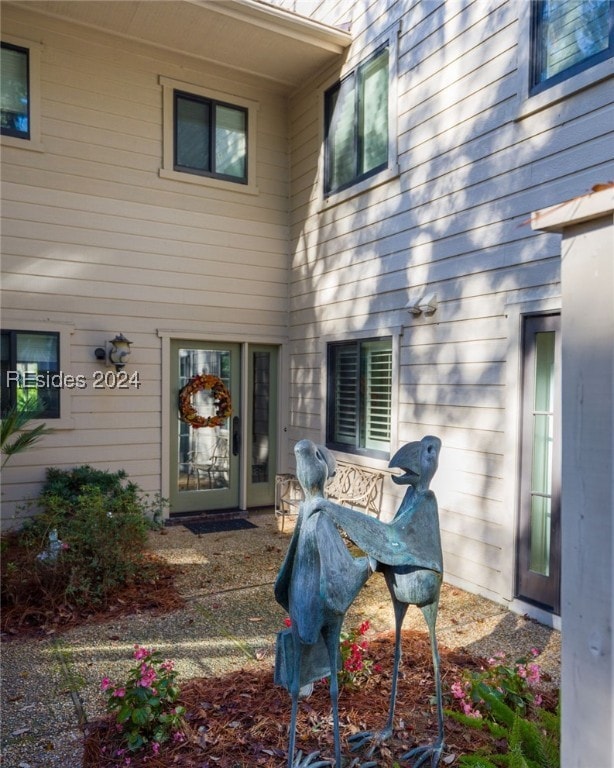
219, 526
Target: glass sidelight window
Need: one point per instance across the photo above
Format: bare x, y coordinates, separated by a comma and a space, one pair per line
539, 515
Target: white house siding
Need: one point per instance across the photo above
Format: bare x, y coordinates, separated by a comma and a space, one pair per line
95, 238
455, 222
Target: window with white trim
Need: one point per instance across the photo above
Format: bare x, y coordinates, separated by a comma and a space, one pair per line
356, 114
569, 36
359, 396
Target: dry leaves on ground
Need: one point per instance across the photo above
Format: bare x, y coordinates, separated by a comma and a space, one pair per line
241, 719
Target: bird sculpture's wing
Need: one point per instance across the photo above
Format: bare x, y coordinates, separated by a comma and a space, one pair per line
282, 581
412, 538
341, 575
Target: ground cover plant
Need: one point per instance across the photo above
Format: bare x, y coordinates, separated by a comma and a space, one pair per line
241, 719
87, 544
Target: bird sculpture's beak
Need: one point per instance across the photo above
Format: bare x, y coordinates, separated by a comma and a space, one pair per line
407, 458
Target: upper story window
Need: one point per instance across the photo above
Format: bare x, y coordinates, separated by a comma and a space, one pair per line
30, 362
357, 124
15, 91
210, 137
359, 396
568, 37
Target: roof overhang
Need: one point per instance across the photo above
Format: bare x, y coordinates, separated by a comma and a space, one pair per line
246, 35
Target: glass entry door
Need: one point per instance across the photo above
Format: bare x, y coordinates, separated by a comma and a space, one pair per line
205, 459
539, 535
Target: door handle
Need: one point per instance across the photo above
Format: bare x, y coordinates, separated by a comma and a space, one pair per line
236, 436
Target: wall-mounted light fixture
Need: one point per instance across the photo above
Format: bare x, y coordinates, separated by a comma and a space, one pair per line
425, 306
115, 353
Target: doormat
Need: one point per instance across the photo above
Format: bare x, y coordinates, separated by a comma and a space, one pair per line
219, 526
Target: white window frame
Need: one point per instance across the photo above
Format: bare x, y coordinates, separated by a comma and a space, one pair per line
390, 39
34, 142
167, 171
530, 104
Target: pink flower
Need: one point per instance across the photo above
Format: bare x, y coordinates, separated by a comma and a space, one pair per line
119, 693
538, 700
141, 653
167, 666
155, 747
535, 651
178, 737
534, 675
105, 684
288, 621
364, 627
148, 676
457, 690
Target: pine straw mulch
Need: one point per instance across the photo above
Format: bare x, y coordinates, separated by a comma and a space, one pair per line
241, 720
40, 609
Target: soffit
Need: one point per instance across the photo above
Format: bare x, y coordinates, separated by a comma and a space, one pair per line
246, 35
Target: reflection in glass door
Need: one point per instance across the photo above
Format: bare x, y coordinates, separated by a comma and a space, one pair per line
539, 519
262, 425
205, 460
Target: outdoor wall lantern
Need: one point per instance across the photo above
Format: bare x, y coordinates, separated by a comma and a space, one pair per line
117, 354
425, 306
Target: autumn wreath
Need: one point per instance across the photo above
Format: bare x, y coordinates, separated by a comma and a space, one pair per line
221, 398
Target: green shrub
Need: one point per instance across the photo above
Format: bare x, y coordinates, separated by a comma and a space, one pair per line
87, 541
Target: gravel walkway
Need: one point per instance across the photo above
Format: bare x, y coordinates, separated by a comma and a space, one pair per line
50, 687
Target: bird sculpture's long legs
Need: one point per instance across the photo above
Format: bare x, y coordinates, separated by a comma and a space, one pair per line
376, 738
434, 750
331, 636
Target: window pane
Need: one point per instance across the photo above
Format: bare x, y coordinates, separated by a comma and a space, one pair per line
374, 111
378, 395
14, 94
192, 133
30, 364
346, 395
543, 441
230, 141
568, 32
261, 453
341, 110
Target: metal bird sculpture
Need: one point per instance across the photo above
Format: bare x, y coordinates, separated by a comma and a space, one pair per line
408, 552
316, 584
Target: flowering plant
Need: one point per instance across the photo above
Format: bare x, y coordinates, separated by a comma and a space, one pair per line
144, 706
355, 665
510, 682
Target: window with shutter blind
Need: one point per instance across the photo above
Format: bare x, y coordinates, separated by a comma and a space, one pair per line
360, 396
568, 37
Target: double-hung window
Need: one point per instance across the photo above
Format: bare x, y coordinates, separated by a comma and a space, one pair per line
569, 36
30, 363
15, 91
359, 396
210, 137
357, 124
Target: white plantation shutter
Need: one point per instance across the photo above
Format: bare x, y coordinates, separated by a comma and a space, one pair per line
378, 400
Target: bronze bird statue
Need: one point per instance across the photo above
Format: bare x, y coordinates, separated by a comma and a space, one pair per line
408, 553
316, 584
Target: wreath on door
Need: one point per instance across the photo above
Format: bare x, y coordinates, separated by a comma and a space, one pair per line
221, 397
